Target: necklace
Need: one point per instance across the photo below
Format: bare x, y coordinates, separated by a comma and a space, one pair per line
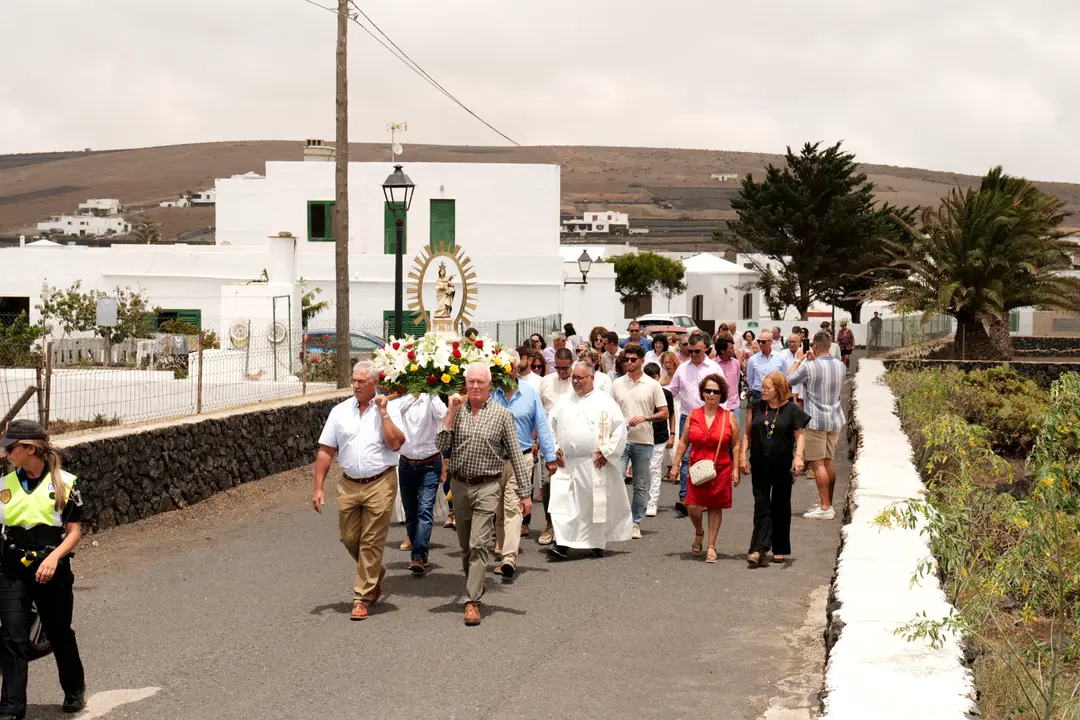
770, 427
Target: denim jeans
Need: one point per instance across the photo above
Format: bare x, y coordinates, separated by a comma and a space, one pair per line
418, 487
639, 457
684, 468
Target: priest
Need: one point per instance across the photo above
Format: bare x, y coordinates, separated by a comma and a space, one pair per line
589, 506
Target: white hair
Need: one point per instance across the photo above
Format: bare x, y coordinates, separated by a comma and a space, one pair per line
587, 366
513, 355
556, 335
478, 368
366, 366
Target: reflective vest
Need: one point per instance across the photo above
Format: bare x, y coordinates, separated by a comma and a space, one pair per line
19, 508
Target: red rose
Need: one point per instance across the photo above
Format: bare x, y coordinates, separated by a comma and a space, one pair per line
409, 346
411, 355
457, 353
456, 345
479, 344
382, 374
432, 380
315, 359
396, 345
495, 351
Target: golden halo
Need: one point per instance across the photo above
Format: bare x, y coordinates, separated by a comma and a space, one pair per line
466, 274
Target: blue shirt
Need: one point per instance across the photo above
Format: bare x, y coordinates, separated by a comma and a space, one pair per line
529, 416
645, 343
758, 366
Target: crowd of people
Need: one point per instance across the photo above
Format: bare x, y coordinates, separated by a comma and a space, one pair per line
591, 427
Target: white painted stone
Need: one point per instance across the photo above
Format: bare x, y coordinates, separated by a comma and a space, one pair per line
872, 670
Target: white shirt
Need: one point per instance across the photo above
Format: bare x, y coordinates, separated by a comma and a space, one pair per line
834, 350
553, 389
532, 380
602, 382
361, 451
420, 418
651, 357
786, 352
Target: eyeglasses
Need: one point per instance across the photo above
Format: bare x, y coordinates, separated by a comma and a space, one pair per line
578, 378
695, 352
563, 368
710, 391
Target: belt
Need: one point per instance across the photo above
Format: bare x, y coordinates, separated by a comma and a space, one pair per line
425, 461
481, 480
373, 478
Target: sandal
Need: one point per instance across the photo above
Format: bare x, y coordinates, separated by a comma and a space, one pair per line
779, 558
697, 546
710, 556
753, 559
450, 524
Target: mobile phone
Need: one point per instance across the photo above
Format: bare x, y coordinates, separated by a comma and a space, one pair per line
806, 345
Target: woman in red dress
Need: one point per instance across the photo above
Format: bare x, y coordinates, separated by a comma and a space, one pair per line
712, 433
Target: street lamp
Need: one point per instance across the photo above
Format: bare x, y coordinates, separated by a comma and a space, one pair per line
398, 191
584, 264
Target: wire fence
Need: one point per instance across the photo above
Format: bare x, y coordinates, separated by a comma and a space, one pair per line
83, 382
905, 330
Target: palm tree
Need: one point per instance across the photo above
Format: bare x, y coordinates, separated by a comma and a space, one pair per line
982, 253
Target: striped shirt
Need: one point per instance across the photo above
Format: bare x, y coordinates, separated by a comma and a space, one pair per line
822, 379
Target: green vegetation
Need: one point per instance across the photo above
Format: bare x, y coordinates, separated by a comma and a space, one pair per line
59, 427
637, 275
183, 327
1001, 461
147, 232
983, 252
73, 310
17, 342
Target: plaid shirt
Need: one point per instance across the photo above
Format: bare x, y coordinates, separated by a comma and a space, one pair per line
477, 447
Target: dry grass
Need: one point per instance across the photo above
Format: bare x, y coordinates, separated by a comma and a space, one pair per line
592, 177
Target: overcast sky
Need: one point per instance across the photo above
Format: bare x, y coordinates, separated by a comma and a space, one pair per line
955, 85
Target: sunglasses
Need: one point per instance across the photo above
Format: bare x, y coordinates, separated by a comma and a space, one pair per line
537, 367
695, 352
565, 368
632, 358
9, 448
710, 391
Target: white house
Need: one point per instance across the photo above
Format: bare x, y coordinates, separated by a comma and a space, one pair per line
85, 225
104, 206
725, 177
719, 290
203, 197
598, 223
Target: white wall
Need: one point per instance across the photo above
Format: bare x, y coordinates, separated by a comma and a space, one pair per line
596, 303
85, 224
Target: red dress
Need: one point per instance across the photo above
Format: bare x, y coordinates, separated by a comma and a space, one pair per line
715, 494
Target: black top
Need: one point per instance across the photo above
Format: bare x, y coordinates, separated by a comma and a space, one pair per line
660, 427
779, 445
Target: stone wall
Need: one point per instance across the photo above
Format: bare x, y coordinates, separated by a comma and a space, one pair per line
871, 671
131, 474
1046, 346
1042, 373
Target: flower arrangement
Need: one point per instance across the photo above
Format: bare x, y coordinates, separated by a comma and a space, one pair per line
432, 365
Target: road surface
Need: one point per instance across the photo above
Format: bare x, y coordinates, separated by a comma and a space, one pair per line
239, 608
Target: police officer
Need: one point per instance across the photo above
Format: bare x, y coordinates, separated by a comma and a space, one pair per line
41, 514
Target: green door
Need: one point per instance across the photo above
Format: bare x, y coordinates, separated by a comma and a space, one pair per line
390, 231
442, 226
408, 325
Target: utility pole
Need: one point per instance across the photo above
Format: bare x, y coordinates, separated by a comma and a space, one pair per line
341, 200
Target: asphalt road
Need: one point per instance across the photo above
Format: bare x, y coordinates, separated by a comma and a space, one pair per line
238, 608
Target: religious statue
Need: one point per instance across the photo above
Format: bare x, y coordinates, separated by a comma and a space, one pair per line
444, 294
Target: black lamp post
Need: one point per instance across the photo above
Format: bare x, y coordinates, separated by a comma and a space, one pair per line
398, 190
584, 264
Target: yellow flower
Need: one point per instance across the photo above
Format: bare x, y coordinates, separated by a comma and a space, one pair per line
445, 378
454, 369
414, 367
508, 366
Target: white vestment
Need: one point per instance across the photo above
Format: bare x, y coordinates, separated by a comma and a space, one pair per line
589, 507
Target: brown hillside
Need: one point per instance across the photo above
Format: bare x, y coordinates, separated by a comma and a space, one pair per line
640, 181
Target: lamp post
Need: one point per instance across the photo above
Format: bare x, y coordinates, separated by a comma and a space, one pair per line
584, 264
398, 191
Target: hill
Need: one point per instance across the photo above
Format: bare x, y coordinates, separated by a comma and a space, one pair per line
670, 190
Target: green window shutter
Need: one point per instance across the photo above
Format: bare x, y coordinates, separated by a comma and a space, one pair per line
1014, 321
442, 226
409, 325
320, 221
390, 231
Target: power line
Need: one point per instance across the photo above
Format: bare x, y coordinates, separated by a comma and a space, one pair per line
404, 58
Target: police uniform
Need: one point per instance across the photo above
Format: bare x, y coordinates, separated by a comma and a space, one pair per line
32, 528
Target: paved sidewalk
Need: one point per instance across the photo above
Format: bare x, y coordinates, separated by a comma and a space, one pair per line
238, 608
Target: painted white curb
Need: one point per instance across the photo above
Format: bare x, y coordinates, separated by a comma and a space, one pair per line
872, 672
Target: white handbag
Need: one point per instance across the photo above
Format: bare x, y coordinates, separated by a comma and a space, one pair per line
704, 471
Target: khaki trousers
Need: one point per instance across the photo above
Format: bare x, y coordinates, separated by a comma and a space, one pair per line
474, 513
508, 515
364, 512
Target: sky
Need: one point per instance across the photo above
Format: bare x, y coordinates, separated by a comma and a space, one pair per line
959, 85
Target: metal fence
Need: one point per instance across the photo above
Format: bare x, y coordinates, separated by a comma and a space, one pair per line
905, 330
82, 383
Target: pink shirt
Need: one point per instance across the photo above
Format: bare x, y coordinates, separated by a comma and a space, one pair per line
684, 384
731, 370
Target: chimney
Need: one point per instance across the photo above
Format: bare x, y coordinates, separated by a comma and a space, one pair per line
22, 241
315, 151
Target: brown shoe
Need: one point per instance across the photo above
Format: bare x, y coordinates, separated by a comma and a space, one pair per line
472, 614
359, 611
376, 592
417, 567
507, 569
548, 536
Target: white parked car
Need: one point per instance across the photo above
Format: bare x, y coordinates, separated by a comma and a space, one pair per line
663, 319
